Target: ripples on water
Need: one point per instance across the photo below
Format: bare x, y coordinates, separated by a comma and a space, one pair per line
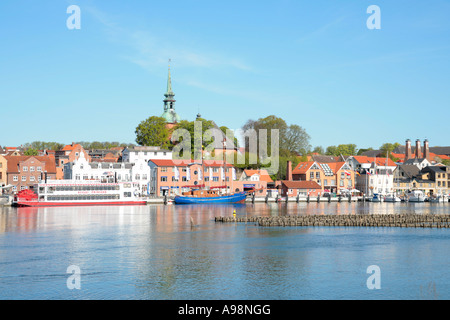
153, 252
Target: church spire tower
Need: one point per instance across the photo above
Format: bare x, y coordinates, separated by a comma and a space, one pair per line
169, 102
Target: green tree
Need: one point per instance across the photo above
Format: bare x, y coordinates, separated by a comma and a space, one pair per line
318, 150
361, 151
31, 152
293, 139
387, 148
342, 149
153, 132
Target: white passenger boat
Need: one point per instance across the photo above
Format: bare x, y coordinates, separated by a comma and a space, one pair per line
58, 193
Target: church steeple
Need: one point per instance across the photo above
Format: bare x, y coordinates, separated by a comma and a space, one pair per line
169, 102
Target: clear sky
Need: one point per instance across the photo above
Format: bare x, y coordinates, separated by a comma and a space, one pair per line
312, 63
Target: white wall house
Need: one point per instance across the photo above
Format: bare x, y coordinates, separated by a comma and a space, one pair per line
137, 172
82, 169
132, 155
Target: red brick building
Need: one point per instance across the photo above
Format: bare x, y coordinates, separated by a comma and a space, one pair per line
172, 177
23, 172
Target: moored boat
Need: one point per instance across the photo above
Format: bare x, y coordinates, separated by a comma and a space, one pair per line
416, 196
376, 198
392, 198
209, 196
61, 193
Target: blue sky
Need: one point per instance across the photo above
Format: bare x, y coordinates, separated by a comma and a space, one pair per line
312, 63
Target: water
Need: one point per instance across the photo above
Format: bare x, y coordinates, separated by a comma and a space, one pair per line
153, 252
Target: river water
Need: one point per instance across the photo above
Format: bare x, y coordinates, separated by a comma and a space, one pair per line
154, 252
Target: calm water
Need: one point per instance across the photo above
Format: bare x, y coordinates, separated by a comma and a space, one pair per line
151, 252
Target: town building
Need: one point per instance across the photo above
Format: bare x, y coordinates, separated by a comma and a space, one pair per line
145, 153
431, 180
332, 177
69, 153
23, 172
293, 189
173, 177
137, 172
3, 171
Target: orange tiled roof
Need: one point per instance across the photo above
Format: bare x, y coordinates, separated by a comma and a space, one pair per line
13, 162
378, 161
70, 147
302, 167
263, 174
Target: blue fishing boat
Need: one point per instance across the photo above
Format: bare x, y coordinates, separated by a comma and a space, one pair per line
211, 198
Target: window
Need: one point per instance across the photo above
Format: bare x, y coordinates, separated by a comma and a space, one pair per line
25, 169
317, 175
341, 183
163, 179
31, 169
32, 178
138, 177
183, 179
24, 178
311, 175
38, 169
15, 178
144, 177
215, 179
163, 169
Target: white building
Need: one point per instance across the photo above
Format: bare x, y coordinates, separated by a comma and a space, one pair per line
137, 172
375, 175
132, 155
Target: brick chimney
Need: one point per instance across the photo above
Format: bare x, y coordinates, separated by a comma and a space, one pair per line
426, 150
408, 150
289, 171
418, 152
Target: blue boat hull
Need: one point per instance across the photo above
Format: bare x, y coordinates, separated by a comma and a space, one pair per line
237, 197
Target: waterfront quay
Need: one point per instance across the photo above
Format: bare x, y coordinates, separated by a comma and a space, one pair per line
360, 220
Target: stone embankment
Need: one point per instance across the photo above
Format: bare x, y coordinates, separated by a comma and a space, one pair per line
364, 220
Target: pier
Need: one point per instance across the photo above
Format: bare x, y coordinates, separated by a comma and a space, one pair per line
361, 220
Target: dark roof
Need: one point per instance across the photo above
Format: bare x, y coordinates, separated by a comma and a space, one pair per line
437, 169
414, 161
371, 153
410, 171
325, 159
436, 150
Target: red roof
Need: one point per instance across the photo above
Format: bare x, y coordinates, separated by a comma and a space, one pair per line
14, 161
379, 161
301, 184
263, 174
70, 147
302, 167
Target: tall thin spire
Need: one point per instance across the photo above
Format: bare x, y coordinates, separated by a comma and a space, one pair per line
169, 84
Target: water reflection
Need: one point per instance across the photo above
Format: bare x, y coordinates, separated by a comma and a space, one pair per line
153, 252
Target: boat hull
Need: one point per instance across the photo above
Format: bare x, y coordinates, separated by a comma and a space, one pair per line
234, 198
77, 204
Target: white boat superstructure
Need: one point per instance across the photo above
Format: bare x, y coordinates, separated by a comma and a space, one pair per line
416, 196
392, 198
